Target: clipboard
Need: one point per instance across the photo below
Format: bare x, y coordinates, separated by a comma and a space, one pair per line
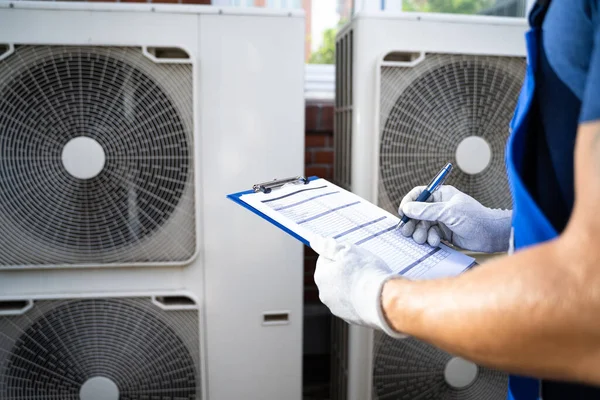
268, 187
357, 220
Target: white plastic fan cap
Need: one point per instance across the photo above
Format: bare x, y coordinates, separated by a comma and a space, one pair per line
473, 155
99, 388
460, 373
83, 157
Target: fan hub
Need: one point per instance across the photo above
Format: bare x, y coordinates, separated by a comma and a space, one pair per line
460, 373
83, 157
99, 388
473, 155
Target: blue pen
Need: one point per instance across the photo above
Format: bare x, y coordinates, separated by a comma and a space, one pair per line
434, 185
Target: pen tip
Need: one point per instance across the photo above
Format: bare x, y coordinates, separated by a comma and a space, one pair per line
400, 225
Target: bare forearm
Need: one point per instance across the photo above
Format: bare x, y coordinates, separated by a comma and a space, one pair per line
533, 313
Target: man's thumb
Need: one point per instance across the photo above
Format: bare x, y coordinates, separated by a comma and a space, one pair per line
326, 247
423, 211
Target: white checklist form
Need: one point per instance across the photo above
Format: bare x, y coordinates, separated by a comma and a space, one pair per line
320, 208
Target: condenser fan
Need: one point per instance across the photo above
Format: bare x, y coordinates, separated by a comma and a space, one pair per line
448, 108
91, 349
409, 369
95, 156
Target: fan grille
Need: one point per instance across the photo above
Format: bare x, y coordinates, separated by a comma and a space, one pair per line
409, 369
429, 109
55, 348
339, 359
139, 113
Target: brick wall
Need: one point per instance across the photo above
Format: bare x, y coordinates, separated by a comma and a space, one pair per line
319, 162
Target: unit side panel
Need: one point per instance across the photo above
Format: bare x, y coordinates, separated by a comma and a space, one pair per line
252, 117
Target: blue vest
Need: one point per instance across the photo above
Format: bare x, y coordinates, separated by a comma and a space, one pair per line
530, 225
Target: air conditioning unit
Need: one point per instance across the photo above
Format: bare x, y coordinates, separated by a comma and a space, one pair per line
124, 270
414, 91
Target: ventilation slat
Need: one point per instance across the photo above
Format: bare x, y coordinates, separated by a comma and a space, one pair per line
342, 177
343, 111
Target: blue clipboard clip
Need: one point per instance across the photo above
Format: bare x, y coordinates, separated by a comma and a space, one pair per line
267, 187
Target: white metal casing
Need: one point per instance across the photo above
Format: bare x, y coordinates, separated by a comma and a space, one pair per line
374, 35
248, 118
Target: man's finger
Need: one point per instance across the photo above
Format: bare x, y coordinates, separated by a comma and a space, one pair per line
409, 228
424, 211
446, 233
326, 247
421, 231
410, 196
434, 236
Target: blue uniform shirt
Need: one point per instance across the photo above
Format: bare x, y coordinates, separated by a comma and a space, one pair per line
568, 92
568, 82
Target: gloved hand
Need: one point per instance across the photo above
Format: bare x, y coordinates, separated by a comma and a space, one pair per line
457, 218
350, 281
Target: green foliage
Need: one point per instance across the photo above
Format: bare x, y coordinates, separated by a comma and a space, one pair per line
447, 6
326, 53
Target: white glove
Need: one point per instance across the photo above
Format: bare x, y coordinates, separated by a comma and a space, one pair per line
350, 281
456, 218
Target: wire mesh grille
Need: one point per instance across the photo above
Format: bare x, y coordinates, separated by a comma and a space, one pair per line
339, 359
427, 110
409, 369
139, 113
342, 131
51, 351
